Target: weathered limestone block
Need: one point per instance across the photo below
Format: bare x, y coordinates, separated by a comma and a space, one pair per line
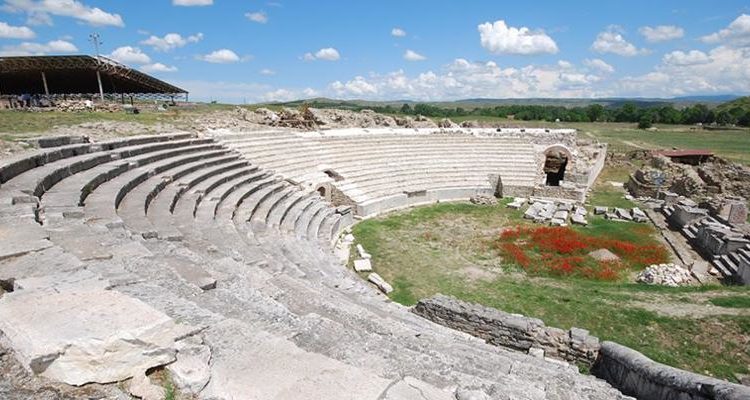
70, 328
412, 388
378, 281
191, 372
142, 387
363, 265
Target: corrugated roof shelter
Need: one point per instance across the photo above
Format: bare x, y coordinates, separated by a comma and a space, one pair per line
78, 74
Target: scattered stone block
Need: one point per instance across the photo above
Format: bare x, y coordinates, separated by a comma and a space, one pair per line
639, 215
363, 265
362, 252
604, 255
561, 214
378, 281
599, 210
578, 220
623, 214
557, 222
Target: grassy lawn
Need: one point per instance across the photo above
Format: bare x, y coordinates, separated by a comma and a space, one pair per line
447, 248
622, 137
604, 193
18, 124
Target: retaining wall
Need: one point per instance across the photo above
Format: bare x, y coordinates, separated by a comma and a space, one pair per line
510, 330
637, 375
624, 368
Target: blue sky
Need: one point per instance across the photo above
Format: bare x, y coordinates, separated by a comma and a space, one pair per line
251, 51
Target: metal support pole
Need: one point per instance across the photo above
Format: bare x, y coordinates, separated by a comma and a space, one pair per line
44, 80
101, 89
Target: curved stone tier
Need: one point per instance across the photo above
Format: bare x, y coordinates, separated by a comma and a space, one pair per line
377, 170
185, 251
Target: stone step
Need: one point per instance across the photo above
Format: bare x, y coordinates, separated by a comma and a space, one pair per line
102, 204
15, 166
277, 214
133, 207
168, 198
70, 193
245, 210
294, 212
44, 177
327, 227
271, 203
316, 221
724, 266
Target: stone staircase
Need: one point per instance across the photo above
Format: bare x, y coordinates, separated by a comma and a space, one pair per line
200, 235
731, 264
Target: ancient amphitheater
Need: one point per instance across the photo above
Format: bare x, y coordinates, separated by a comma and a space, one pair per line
212, 256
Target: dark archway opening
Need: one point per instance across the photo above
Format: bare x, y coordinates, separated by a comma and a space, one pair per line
554, 166
322, 191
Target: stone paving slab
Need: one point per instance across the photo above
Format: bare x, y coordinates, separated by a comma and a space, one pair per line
70, 328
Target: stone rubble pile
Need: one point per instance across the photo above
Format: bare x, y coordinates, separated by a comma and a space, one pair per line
556, 213
483, 200
86, 105
671, 275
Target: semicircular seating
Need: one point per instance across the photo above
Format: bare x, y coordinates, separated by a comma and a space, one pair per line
375, 171
211, 237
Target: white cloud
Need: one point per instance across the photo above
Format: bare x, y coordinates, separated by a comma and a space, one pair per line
129, 55
599, 65
327, 54
158, 67
661, 33
411, 55
463, 79
357, 87
38, 49
612, 41
15, 32
498, 38
686, 58
222, 56
310, 92
736, 34
726, 70
39, 12
171, 41
267, 72
279, 95
398, 32
192, 3
259, 17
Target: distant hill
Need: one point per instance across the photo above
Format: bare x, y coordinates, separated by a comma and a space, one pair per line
740, 102
677, 102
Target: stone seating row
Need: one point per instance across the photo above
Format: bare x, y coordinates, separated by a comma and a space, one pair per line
280, 308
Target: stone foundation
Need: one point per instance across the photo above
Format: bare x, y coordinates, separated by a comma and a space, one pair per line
626, 369
510, 330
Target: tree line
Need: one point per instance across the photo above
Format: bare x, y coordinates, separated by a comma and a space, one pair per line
627, 112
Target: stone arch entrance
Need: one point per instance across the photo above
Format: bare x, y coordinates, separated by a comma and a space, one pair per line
322, 191
557, 160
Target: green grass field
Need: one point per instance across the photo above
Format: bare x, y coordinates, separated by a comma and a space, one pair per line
447, 248
733, 144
